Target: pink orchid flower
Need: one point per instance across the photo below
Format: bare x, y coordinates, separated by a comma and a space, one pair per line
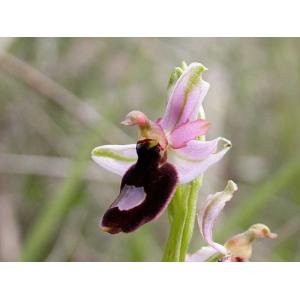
167, 153
236, 249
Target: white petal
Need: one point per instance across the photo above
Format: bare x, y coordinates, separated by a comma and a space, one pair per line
115, 158
194, 159
203, 254
210, 212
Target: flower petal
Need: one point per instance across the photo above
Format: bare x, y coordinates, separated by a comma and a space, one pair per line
186, 98
211, 210
194, 159
203, 254
187, 132
115, 158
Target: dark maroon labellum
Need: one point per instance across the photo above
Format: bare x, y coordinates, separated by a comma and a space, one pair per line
146, 190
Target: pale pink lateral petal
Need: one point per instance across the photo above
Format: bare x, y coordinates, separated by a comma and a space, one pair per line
200, 149
194, 159
186, 98
187, 132
203, 254
115, 158
210, 212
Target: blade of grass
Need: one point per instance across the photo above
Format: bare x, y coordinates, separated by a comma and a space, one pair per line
47, 224
38, 81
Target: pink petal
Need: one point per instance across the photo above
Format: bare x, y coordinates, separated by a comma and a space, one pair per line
115, 158
210, 212
187, 132
186, 98
203, 254
194, 159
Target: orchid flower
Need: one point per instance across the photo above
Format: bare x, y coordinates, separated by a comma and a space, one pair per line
167, 153
236, 249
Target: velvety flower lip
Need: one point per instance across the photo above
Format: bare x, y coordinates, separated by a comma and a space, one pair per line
236, 249
146, 190
176, 131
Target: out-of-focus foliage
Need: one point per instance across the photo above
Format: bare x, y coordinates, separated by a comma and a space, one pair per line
59, 97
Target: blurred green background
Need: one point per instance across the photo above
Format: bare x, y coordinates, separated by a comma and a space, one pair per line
60, 97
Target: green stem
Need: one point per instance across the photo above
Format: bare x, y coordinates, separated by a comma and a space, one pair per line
177, 214
191, 206
182, 214
190, 217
